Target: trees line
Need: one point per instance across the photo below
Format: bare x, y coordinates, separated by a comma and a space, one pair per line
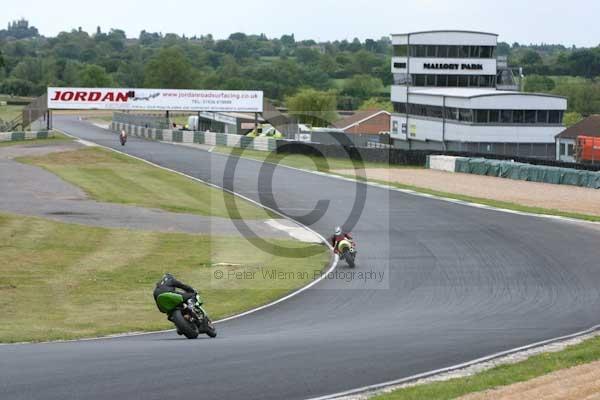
352, 73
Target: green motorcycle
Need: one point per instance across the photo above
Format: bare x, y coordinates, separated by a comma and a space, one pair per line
347, 252
189, 318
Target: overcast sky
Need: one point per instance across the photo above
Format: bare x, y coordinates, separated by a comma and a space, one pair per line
526, 21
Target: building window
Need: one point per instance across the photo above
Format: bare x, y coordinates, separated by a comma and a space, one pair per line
542, 117
400, 108
570, 150
518, 116
401, 51
466, 115
481, 116
452, 80
463, 52
431, 51
443, 51
554, 117
562, 150
494, 116
530, 117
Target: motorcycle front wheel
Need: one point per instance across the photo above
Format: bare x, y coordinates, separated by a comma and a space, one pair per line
211, 331
350, 259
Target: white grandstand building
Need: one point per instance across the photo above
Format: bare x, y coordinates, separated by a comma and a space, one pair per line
451, 92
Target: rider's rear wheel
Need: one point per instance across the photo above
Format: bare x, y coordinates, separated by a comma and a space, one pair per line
187, 328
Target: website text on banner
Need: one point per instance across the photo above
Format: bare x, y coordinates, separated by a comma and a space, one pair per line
154, 99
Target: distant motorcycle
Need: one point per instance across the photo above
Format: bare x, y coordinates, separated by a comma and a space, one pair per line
190, 319
347, 251
123, 138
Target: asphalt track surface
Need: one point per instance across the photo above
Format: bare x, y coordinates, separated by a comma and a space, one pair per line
460, 283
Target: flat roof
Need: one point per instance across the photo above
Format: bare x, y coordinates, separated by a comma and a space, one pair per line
445, 31
469, 93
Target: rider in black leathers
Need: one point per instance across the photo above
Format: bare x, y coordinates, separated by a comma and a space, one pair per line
169, 283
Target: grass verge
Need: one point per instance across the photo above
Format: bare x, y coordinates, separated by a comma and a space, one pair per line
503, 375
10, 112
310, 163
111, 177
55, 139
65, 281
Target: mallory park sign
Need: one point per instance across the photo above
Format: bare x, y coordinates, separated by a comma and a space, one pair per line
154, 99
454, 67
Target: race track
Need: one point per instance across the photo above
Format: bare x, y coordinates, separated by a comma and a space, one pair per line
459, 283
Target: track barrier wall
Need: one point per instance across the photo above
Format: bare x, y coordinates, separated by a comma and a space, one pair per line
516, 171
25, 135
208, 138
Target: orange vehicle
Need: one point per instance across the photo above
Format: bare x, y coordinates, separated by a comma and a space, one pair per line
588, 149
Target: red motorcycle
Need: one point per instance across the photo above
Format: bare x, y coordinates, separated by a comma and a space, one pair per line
123, 138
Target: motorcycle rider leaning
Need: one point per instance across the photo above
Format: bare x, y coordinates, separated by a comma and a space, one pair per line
338, 236
169, 283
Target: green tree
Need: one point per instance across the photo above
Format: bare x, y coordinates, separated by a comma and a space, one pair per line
571, 118
363, 86
94, 76
376, 104
169, 69
1, 60
538, 83
17, 87
313, 107
530, 57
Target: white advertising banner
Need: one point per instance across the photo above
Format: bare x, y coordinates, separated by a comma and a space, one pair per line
154, 99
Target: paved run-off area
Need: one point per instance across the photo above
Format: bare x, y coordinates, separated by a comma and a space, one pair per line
31, 190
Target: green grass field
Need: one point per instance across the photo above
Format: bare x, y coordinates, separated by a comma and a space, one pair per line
64, 281
8, 113
56, 138
503, 375
110, 177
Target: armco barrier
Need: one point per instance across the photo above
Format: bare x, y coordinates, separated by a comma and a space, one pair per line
516, 171
208, 138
